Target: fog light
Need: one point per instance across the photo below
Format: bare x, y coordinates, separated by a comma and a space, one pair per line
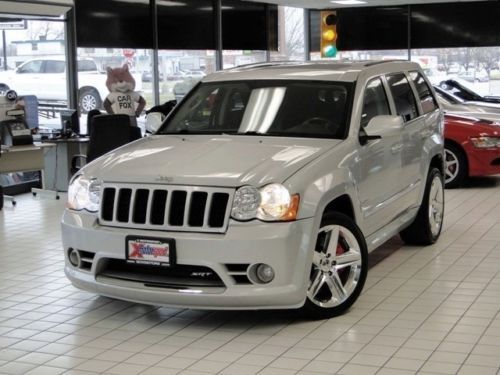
74, 257
265, 273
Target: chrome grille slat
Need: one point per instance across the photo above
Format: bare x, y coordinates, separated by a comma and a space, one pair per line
184, 194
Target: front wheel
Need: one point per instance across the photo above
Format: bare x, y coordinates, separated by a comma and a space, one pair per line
339, 267
456, 166
426, 227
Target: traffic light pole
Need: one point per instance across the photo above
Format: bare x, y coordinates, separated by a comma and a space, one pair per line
219, 59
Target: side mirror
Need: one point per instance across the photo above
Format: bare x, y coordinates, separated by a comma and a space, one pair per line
382, 126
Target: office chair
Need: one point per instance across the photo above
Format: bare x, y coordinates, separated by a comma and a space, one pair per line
106, 133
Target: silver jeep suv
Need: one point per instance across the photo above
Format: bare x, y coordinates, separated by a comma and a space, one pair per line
265, 188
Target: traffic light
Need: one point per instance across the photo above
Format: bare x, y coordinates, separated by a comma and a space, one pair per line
328, 33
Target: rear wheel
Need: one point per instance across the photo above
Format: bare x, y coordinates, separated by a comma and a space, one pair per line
426, 227
456, 166
88, 100
339, 267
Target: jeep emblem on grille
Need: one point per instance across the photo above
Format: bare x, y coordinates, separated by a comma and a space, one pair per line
164, 179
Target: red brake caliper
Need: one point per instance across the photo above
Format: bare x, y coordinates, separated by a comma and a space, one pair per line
343, 273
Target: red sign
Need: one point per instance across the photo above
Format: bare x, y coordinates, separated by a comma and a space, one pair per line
128, 52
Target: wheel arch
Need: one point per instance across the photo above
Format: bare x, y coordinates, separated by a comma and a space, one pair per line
89, 88
341, 204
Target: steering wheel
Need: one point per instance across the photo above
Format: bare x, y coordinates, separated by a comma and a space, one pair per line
319, 123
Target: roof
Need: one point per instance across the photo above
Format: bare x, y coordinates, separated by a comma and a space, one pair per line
347, 71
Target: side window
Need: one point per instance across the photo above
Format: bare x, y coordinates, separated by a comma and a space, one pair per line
31, 67
52, 66
374, 102
424, 92
404, 99
86, 66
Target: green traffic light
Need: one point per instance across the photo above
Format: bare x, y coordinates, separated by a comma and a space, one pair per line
330, 51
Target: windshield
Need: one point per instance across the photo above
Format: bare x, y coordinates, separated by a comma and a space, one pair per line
275, 108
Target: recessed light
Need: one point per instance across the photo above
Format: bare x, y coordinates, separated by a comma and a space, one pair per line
348, 2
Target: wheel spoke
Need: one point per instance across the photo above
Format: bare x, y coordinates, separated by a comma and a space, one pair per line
336, 288
333, 240
347, 259
317, 282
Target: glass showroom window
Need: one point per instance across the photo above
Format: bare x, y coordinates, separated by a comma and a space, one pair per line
367, 55
232, 58
92, 90
476, 68
180, 70
36, 66
290, 35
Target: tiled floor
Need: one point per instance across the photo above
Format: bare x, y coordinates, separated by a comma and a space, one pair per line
423, 310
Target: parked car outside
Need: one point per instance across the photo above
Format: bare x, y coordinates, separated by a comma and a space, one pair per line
472, 148
265, 188
474, 76
46, 79
147, 76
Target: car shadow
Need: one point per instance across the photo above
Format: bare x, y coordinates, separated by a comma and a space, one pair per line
481, 182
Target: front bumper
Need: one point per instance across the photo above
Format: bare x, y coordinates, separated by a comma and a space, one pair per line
286, 247
483, 162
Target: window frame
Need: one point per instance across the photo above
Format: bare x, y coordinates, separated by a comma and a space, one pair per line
417, 93
384, 88
412, 90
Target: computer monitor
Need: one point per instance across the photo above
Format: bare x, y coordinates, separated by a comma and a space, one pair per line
70, 122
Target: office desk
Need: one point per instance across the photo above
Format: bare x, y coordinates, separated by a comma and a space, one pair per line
58, 161
24, 158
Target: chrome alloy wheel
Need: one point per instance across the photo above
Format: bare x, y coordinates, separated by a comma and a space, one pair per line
336, 268
88, 102
452, 165
436, 205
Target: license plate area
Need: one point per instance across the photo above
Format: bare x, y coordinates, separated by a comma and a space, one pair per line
150, 251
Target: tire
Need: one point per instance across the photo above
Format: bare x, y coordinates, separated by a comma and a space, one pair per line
426, 227
88, 100
338, 271
456, 166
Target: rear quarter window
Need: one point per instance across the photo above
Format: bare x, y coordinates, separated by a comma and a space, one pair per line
426, 98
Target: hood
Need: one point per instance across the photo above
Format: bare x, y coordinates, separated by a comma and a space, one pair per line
207, 160
473, 126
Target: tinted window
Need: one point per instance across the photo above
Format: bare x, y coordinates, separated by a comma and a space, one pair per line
403, 96
374, 102
424, 92
55, 66
284, 108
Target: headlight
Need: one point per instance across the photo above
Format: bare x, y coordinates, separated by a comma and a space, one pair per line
485, 142
84, 194
271, 203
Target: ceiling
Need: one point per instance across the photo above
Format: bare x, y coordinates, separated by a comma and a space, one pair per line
326, 4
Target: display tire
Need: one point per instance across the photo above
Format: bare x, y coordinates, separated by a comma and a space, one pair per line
346, 272
426, 227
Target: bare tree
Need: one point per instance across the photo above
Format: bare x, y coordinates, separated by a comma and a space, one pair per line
45, 30
294, 33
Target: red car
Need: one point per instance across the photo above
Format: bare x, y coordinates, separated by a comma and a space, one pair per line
472, 148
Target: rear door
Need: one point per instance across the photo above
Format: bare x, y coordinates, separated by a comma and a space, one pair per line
54, 73
409, 151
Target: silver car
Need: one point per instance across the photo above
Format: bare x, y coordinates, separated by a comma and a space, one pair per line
265, 188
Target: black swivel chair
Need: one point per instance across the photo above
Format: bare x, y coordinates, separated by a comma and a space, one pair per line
106, 132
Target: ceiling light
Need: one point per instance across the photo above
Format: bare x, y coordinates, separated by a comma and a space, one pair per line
348, 2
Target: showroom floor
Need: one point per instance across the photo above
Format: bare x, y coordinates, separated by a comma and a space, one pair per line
423, 310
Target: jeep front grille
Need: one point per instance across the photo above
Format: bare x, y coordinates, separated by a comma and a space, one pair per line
171, 208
